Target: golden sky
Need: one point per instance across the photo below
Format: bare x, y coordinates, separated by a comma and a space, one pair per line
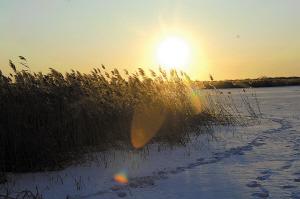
228, 39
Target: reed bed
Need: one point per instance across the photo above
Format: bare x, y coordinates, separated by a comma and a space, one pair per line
46, 120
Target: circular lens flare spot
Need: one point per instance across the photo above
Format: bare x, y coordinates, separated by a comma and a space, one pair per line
121, 178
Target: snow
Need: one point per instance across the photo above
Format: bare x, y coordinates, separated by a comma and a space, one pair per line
259, 161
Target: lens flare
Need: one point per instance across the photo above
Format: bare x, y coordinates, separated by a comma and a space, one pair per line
145, 124
195, 100
121, 178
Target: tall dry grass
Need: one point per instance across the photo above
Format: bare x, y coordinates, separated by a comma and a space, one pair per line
48, 119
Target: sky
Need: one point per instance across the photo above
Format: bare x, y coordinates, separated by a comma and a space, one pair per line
229, 39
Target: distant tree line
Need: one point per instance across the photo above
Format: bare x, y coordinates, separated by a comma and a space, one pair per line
255, 83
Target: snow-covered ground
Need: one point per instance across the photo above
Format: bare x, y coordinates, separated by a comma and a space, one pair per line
259, 161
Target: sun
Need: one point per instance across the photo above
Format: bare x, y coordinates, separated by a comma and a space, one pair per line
173, 52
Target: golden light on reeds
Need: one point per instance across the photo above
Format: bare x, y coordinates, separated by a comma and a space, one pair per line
145, 124
121, 178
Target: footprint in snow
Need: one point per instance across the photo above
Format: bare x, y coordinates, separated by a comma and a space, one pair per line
297, 179
264, 177
260, 195
253, 184
263, 194
266, 171
122, 194
287, 166
297, 174
257, 143
175, 171
288, 187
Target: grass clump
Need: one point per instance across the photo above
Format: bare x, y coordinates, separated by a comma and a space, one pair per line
47, 119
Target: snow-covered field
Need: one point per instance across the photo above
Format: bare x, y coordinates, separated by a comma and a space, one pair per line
259, 161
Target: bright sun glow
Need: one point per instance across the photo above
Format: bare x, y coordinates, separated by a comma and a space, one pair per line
173, 52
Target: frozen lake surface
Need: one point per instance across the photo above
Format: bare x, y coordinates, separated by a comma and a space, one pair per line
259, 161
